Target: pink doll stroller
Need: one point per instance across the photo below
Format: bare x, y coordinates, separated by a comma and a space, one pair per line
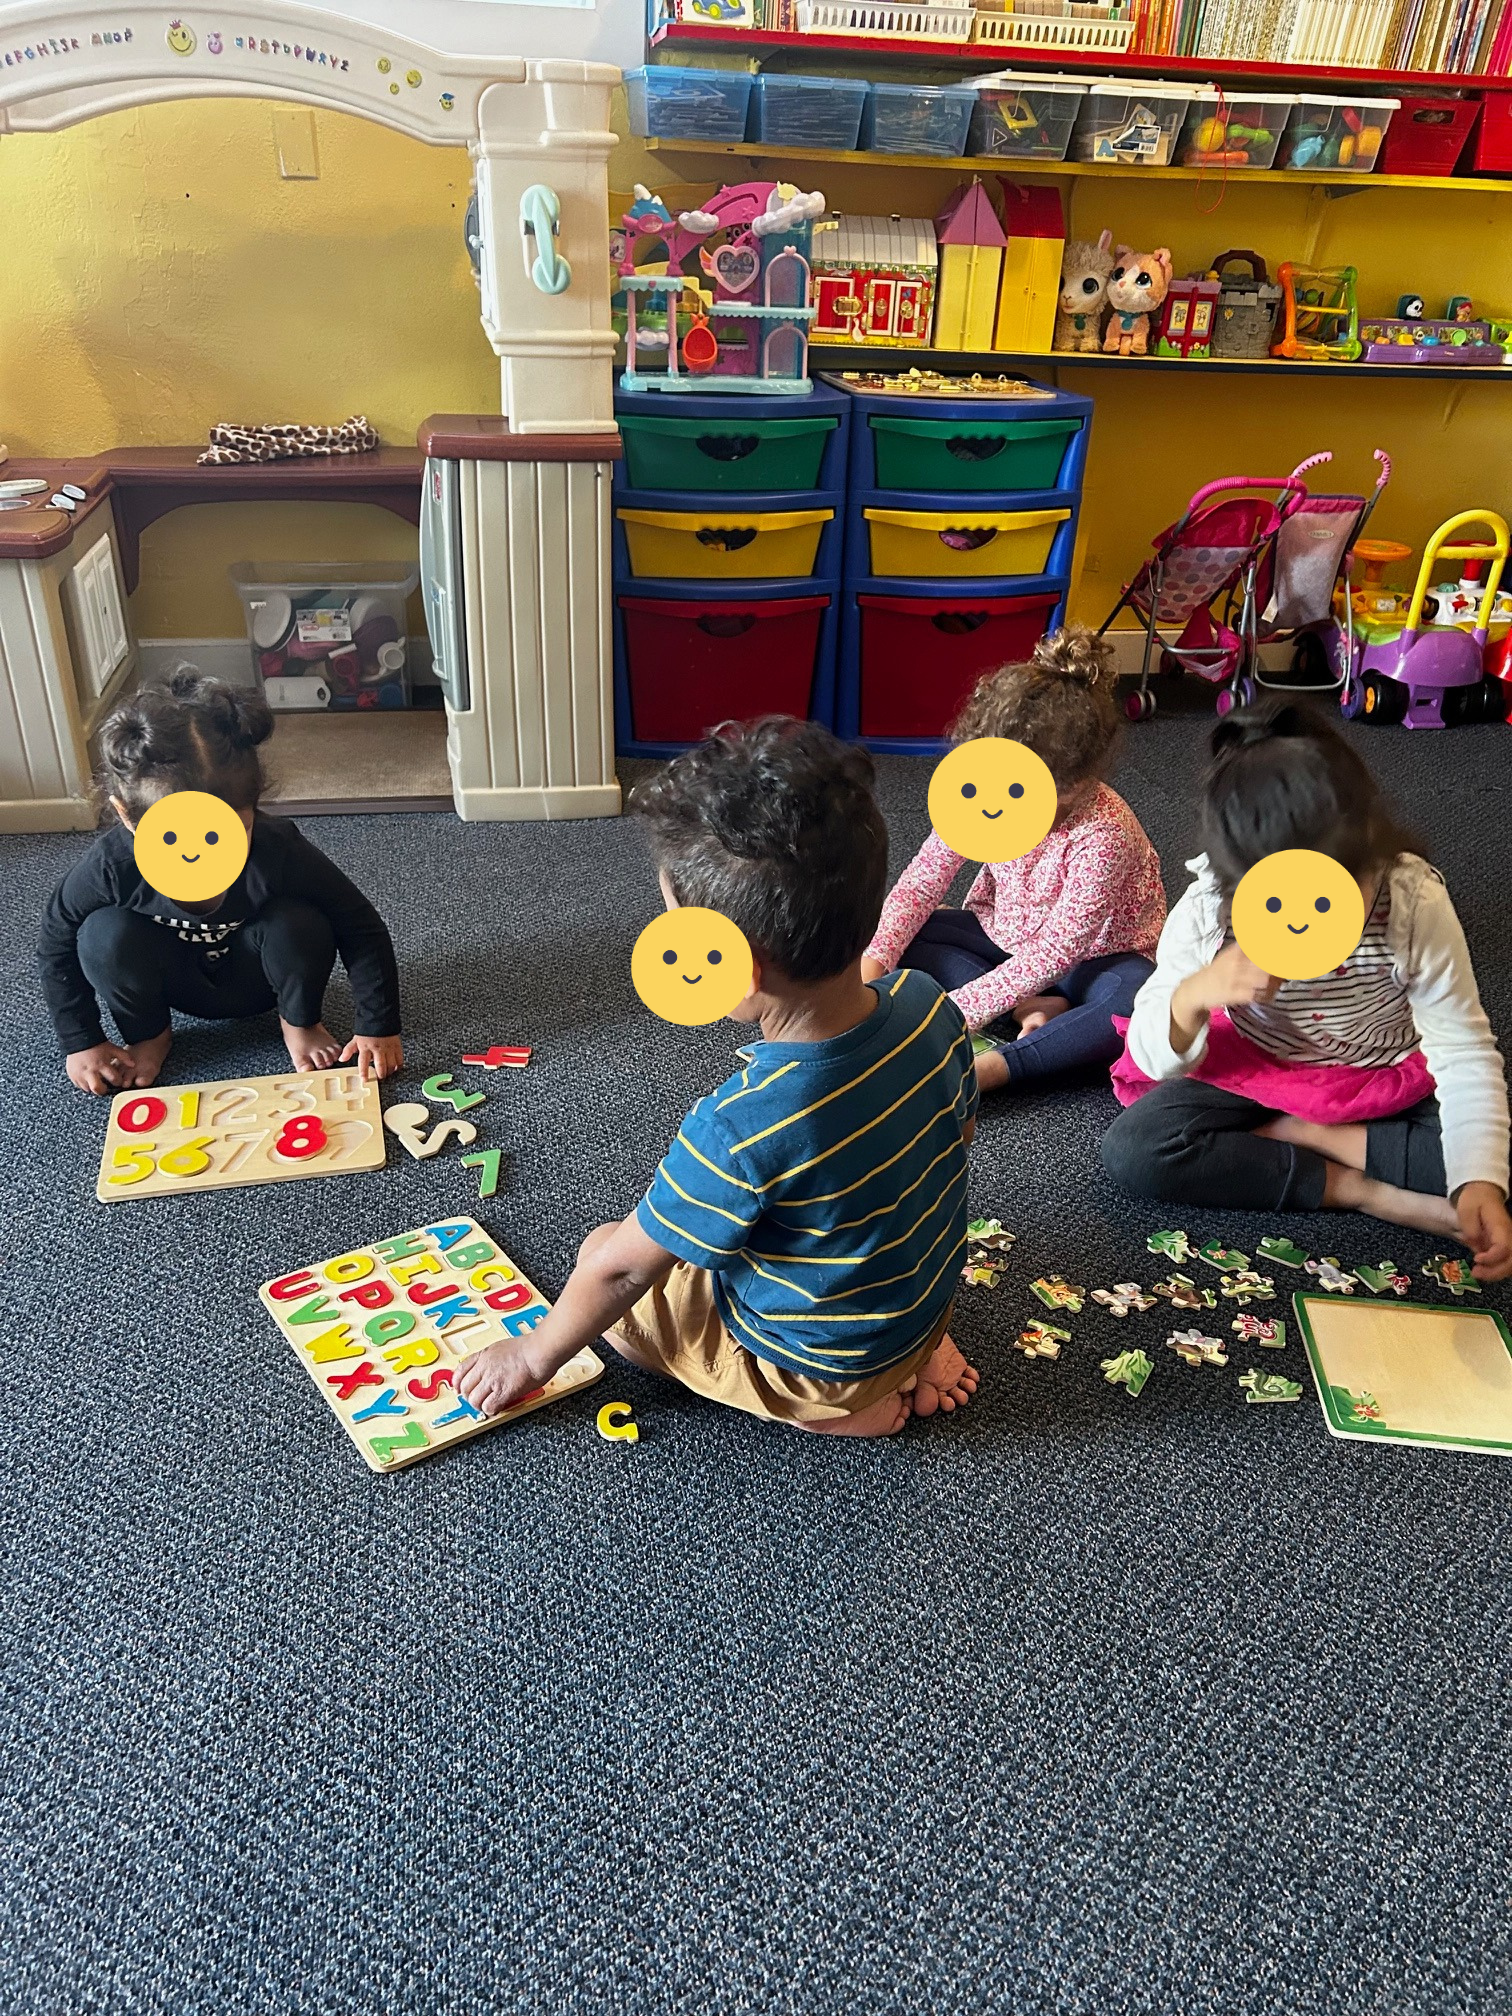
1221, 551
1314, 548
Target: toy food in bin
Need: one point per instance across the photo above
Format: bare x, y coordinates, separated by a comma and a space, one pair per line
1242, 132
961, 541
707, 545
337, 630
1128, 121
1344, 133
1024, 117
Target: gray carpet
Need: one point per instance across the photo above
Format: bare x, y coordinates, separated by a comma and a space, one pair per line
1076, 1704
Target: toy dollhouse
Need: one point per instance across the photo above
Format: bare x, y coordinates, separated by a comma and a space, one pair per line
874, 280
747, 310
971, 242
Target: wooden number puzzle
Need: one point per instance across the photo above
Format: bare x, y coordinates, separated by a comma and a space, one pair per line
1411, 1372
240, 1130
382, 1329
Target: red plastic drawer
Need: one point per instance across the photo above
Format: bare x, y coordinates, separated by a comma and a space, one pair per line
1493, 136
920, 657
1427, 136
691, 665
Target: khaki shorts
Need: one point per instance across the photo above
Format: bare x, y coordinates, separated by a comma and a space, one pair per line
676, 1329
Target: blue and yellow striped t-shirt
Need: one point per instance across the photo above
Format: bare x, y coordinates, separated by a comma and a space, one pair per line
825, 1187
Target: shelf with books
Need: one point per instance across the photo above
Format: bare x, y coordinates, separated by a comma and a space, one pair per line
772, 49
991, 363
753, 152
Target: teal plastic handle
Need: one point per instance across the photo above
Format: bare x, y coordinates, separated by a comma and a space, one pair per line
540, 218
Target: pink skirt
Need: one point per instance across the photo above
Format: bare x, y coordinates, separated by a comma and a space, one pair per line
1331, 1094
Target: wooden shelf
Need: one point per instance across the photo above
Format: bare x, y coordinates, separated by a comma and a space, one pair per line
1015, 169
837, 357
766, 44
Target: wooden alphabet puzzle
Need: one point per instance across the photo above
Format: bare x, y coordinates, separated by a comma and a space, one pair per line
382, 1329
240, 1130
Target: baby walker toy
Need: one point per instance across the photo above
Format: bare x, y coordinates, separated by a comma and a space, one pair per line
753, 334
1437, 678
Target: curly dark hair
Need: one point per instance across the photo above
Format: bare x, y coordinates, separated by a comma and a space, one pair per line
1059, 704
193, 734
1281, 776
773, 823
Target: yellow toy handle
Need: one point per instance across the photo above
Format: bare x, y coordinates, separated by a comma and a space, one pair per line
1438, 548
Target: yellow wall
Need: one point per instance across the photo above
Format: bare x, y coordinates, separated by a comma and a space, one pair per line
159, 275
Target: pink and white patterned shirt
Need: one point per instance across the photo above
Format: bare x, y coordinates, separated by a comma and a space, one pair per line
1091, 887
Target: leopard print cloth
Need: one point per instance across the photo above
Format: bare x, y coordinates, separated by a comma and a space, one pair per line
279, 444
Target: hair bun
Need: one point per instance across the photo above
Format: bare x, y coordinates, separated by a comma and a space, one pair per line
1271, 721
1073, 653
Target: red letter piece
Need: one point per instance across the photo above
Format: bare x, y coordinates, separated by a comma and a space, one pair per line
371, 1295
429, 1387
292, 1286
347, 1383
424, 1293
512, 1297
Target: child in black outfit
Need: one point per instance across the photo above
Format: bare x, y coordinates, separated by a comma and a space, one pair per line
269, 942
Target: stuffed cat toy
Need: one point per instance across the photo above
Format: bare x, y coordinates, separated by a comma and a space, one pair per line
1083, 293
1136, 288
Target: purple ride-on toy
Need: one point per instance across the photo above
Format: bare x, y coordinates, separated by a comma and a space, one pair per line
1434, 678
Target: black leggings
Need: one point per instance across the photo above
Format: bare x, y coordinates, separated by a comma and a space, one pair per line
952, 947
281, 958
1190, 1143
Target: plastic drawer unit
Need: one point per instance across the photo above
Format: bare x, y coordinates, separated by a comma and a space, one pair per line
690, 663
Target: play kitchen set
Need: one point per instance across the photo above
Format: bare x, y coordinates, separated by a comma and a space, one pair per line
516, 568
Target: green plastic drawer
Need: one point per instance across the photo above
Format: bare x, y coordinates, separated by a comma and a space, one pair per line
736, 454
970, 454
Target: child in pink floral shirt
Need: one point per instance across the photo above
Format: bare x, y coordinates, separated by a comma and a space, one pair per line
1062, 939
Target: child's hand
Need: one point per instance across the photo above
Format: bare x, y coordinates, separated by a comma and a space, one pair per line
104, 1068
1233, 980
1486, 1229
380, 1055
501, 1376
871, 969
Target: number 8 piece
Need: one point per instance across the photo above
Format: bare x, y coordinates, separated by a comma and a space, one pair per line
241, 1130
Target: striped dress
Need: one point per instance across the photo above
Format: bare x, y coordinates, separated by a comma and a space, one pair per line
825, 1187
1357, 1014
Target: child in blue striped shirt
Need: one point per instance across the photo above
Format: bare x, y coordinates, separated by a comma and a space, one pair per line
797, 1251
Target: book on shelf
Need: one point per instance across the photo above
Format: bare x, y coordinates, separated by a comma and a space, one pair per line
1461, 38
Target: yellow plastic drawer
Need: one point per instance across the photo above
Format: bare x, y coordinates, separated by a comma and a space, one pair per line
923, 544
724, 545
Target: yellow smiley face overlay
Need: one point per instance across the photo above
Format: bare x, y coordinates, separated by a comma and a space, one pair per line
1298, 914
190, 846
691, 966
992, 799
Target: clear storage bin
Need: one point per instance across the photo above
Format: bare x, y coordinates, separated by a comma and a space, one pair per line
1234, 132
331, 636
1339, 133
917, 119
670, 103
1024, 118
808, 111
1122, 119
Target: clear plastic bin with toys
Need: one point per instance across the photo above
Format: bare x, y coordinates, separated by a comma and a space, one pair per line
1130, 121
328, 637
1221, 131
1338, 133
1022, 117
917, 119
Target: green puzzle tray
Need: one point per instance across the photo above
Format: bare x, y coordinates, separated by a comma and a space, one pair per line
1410, 1371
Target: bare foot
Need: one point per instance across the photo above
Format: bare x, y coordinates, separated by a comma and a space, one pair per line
1035, 1010
313, 1049
147, 1059
946, 1382
1347, 1190
883, 1417
991, 1070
